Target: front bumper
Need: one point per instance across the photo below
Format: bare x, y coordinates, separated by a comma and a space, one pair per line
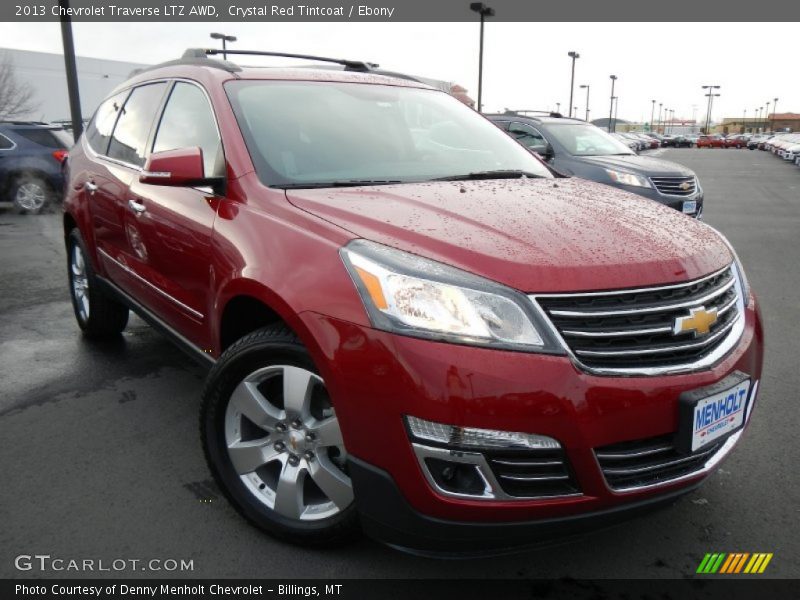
675, 202
376, 378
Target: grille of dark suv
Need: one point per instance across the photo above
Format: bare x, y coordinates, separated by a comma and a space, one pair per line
635, 328
675, 186
649, 462
533, 473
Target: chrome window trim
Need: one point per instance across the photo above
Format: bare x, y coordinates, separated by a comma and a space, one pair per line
8, 139
127, 269
706, 362
492, 489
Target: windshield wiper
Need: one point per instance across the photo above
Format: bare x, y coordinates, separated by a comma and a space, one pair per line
330, 184
499, 174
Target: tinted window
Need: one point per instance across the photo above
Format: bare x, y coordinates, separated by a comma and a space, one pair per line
526, 135
5, 143
43, 137
98, 133
587, 140
133, 126
188, 122
301, 133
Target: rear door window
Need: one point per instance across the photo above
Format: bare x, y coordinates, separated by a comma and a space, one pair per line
130, 136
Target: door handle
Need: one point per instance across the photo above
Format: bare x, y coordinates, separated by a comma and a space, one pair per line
90, 186
136, 206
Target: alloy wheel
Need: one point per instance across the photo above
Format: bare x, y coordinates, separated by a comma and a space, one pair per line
80, 282
283, 440
31, 196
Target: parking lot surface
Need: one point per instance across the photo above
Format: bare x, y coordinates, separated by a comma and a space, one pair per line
101, 457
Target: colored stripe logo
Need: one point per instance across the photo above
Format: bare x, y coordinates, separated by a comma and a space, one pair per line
734, 563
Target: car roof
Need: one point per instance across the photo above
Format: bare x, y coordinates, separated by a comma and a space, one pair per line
197, 65
543, 118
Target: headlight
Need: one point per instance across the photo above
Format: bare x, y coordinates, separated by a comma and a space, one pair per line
407, 294
628, 178
738, 267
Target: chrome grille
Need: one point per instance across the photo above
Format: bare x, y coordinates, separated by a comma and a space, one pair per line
675, 186
633, 330
649, 462
529, 474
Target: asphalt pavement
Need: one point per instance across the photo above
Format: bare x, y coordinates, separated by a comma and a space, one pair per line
100, 456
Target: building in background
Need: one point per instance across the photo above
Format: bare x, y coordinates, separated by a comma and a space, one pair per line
44, 72
772, 122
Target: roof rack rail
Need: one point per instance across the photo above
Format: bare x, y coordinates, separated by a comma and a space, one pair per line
353, 65
192, 56
549, 113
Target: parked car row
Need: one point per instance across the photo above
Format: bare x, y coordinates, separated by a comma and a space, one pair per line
31, 154
784, 145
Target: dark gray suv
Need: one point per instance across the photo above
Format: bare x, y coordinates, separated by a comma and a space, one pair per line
580, 149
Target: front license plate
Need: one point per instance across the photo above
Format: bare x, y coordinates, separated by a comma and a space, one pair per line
690, 206
709, 414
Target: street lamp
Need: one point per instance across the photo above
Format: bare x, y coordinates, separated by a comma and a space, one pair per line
484, 11
587, 101
660, 124
710, 96
652, 114
744, 121
611, 107
224, 38
573, 55
615, 100
774, 112
766, 116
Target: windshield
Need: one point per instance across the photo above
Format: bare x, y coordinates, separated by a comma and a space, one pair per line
303, 133
587, 140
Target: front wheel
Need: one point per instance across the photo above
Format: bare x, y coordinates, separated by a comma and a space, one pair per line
273, 443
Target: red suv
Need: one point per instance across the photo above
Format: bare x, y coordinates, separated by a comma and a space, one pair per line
710, 141
414, 327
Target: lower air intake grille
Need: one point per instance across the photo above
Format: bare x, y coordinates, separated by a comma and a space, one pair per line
649, 462
538, 473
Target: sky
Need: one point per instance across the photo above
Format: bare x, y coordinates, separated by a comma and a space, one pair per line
525, 64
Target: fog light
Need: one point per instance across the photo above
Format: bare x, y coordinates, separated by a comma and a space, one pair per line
471, 437
454, 477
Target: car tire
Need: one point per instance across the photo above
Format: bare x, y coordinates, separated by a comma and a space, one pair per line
30, 194
272, 441
98, 315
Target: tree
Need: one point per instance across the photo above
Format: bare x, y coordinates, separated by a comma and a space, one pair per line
16, 97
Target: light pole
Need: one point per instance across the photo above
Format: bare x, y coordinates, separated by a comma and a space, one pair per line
652, 114
710, 94
744, 121
573, 55
666, 120
587, 101
766, 116
615, 100
660, 104
484, 11
558, 107
611, 107
774, 112
224, 38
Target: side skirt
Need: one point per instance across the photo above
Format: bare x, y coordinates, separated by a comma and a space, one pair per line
156, 323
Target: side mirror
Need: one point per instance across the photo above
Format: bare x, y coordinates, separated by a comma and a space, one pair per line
545, 151
179, 167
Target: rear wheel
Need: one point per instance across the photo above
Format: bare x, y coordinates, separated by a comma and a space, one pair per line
98, 315
30, 194
272, 440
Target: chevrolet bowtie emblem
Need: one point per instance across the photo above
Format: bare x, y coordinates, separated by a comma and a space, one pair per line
699, 320
685, 186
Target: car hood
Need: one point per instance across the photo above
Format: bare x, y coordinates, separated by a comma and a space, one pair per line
543, 235
642, 165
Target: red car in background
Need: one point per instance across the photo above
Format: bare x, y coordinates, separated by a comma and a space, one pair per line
736, 141
710, 141
414, 327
